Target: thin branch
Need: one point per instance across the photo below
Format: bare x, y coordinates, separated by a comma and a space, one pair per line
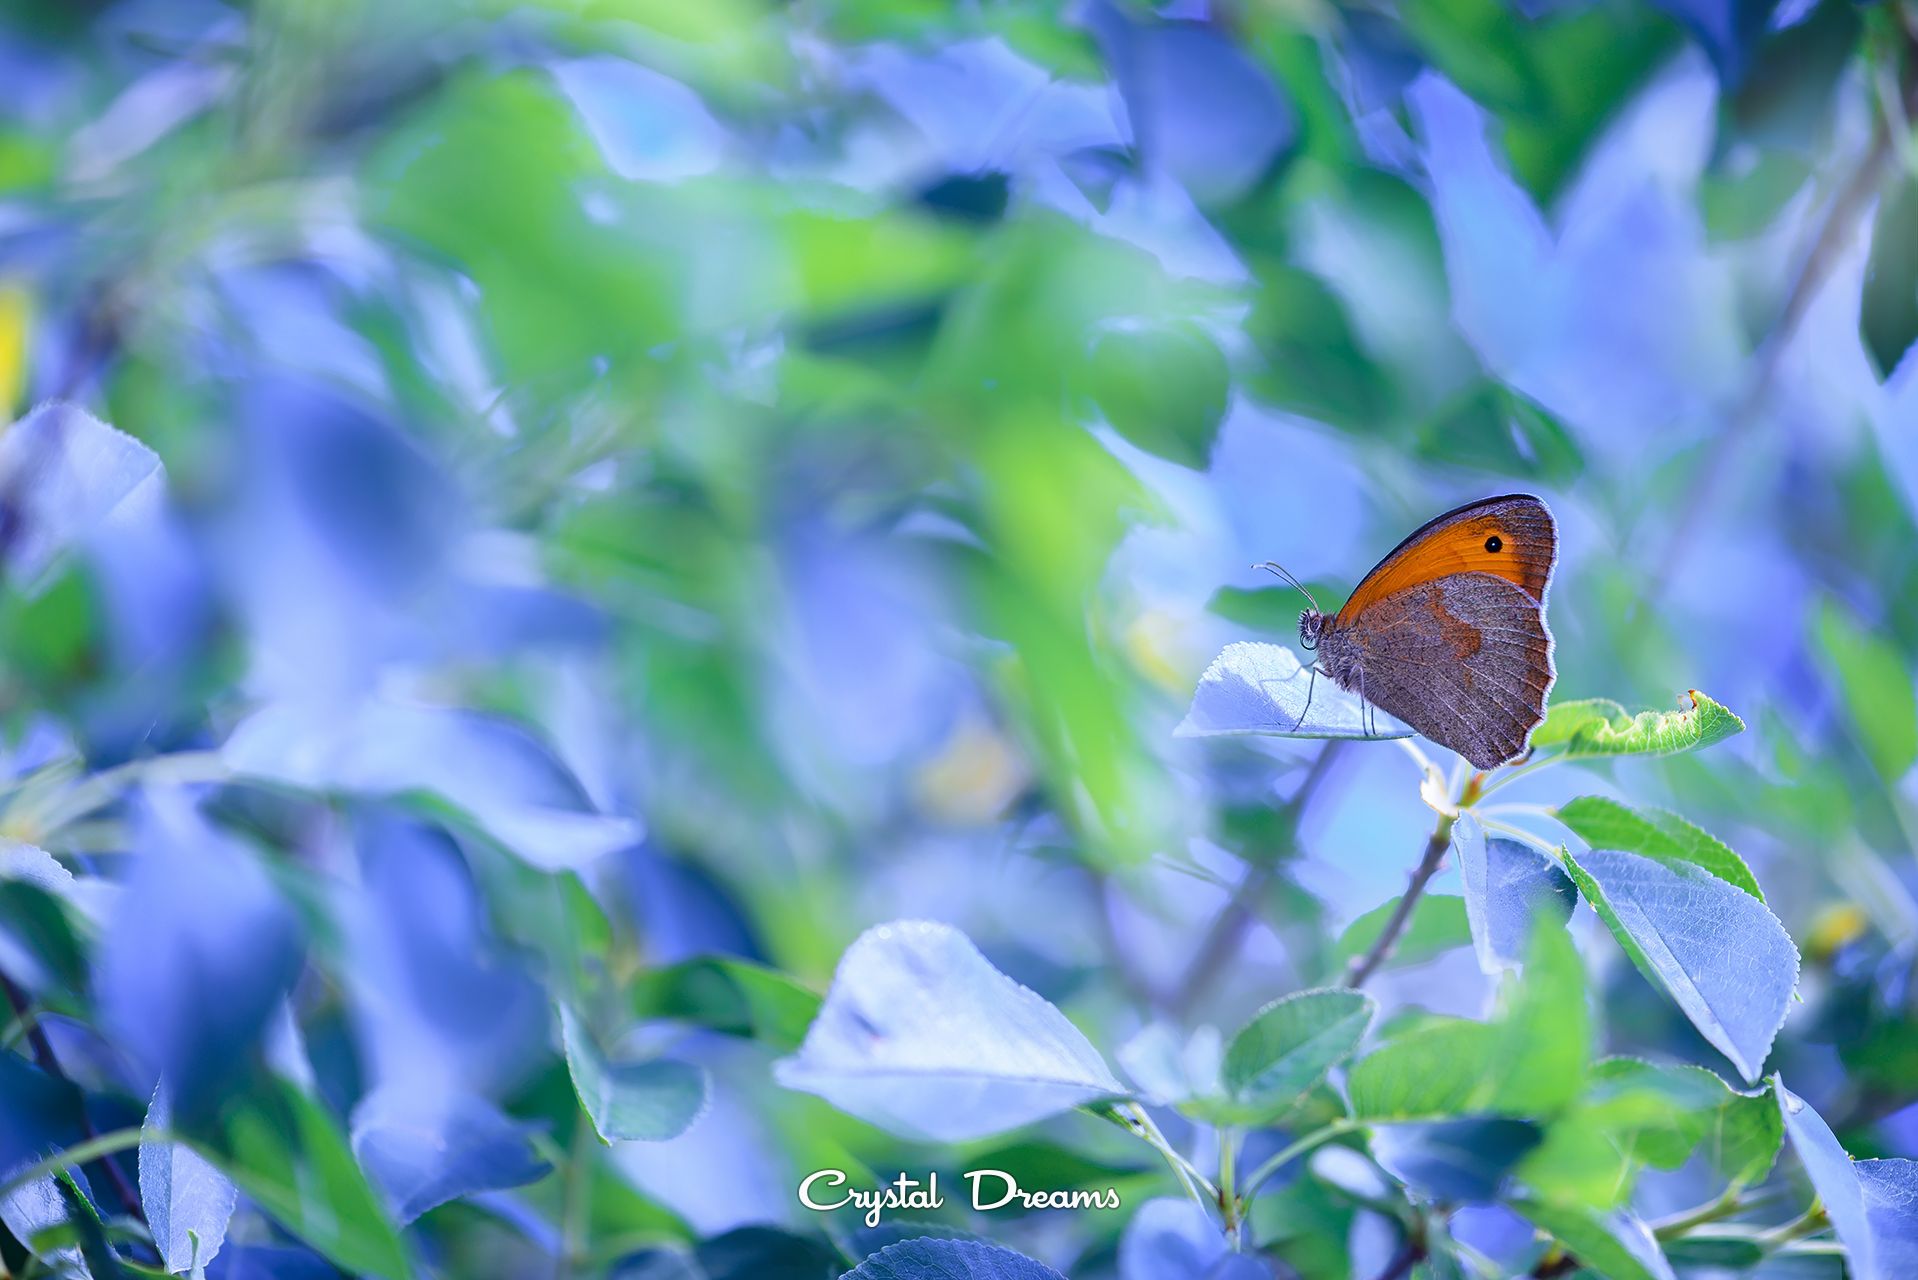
48, 1063
1223, 939
1401, 1265
1364, 966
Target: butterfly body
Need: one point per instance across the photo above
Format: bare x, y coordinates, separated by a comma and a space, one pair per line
1448, 632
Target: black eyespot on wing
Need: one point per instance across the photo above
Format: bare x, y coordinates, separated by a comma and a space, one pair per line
1493, 543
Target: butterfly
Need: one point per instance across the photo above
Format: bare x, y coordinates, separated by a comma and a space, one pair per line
1448, 632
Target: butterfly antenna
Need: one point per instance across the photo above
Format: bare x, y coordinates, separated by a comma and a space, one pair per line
1273, 566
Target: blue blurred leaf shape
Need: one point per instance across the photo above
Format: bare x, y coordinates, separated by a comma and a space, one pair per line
425, 1152
64, 476
184, 1195
488, 768
631, 1101
1716, 950
198, 915
1170, 1239
939, 1259
1507, 886
1872, 1204
1464, 1160
922, 1036
1261, 688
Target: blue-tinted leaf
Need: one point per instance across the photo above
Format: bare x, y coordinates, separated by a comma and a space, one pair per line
1888, 308
1718, 951
198, 914
1508, 885
1730, 30
920, 1034
188, 1202
488, 768
1171, 1239
38, 1115
631, 1101
950, 1260
750, 1253
1261, 688
424, 1152
1891, 1213
1835, 1178
64, 475
1463, 1160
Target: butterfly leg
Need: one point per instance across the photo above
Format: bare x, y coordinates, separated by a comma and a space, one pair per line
1310, 685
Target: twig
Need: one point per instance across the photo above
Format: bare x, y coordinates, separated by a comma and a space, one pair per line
48, 1063
1365, 965
1228, 929
1317, 1137
1401, 1265
1827, 246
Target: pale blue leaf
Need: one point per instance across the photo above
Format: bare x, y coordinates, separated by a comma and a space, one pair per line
1719, 952
933, 1259
1463, 1160
1835, 1178
423, 1152
492, 770
1174, 1239
1891, 1213
64, 477
921, 1035
1507, 886
647, 1101
183, 1194
1261, 688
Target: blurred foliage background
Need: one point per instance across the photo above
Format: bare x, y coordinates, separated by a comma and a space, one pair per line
648, 480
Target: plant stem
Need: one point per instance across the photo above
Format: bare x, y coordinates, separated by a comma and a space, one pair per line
1228, 929
576, 1199
43, 1056
1365, 965
1142, 1125
1731, 1201
1317, 1137
1228, 1197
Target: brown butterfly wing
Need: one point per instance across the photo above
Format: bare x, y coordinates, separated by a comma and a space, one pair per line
1464, 659
1511, 537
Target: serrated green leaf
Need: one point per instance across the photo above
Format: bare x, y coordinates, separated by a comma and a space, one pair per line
1657, 833
1530, 1061
1662, 1114
1287, 1048
1601, 727
1879, 697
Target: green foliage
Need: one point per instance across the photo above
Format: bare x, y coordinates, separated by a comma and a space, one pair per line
1286, 1049
630, 1101
1876, 687
1438, 923
1600, 727
1657, 833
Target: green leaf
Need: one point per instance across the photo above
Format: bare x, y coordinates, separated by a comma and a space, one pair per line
1490, 427
283, 1149
1438, 924
1163, 388
1616, 1246
1529, 1062
1876, 688
1662, 1114
1656, 833
1601, 727
1288, 1047
1888, 308
638, 1101
1313, 362
726, 994
1274, 609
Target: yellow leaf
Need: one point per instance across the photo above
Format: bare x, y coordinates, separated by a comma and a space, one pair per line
16, 326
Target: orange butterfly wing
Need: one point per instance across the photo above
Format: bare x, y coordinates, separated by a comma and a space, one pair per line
1513, 537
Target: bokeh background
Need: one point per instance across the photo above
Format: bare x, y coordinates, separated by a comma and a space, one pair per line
653, 478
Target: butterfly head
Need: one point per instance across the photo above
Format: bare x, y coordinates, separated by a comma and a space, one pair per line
1311, 622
